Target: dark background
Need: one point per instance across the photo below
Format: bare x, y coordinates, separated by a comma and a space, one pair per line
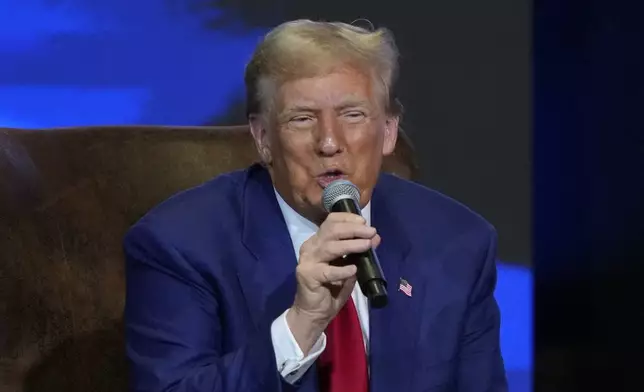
589, 195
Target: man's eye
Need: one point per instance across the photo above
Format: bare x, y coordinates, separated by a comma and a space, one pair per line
301, 119
354, 115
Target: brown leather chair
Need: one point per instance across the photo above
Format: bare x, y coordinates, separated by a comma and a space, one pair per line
67, 196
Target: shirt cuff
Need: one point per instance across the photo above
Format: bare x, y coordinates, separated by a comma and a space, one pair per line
291, 362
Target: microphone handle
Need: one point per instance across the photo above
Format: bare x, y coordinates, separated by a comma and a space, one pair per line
370, 276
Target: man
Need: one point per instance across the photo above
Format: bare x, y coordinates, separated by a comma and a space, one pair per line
235, 285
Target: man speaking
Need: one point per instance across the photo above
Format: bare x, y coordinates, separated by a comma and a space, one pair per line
246, 283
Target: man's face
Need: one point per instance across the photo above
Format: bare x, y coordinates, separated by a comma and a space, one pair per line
325, 128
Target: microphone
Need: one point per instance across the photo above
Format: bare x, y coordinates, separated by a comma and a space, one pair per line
343, 196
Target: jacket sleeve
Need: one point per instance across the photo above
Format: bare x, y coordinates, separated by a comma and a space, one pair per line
173, 330
480, 364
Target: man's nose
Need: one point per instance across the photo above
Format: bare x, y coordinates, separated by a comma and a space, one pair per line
329, 137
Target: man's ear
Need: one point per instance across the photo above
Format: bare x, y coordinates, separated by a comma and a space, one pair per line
258, 130
391, 135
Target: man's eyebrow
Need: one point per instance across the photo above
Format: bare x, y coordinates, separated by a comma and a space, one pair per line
352, 103
300, 108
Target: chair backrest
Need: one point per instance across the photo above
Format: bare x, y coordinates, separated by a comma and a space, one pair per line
67, 196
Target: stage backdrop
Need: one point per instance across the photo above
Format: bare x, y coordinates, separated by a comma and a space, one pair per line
465, 84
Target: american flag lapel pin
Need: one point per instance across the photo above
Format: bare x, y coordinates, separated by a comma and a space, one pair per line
405, 287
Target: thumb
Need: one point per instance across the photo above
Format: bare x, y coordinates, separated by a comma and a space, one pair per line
332, 274
347, 287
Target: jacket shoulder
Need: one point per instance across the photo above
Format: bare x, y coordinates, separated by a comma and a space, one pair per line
199, 209
425, 208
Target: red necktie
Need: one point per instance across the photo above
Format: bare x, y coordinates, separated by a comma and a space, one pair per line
342, 367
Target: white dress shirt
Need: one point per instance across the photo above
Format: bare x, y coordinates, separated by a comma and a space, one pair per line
291, 362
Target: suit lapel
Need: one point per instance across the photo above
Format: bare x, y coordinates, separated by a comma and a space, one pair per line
397, 324
268, 281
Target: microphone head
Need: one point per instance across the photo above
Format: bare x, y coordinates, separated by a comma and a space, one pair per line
338, 190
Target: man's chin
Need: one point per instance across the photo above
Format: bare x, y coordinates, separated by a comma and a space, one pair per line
315, 203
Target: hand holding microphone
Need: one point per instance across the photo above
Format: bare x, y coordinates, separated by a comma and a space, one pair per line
343, 196
325, 285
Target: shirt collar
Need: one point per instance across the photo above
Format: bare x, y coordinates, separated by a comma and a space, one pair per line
300, 229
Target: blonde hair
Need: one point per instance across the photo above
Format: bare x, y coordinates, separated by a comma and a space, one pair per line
305, 48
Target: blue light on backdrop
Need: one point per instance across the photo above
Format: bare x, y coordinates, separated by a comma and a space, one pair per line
108, 62
82, 62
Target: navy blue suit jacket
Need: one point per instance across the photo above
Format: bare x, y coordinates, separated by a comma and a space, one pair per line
212, 267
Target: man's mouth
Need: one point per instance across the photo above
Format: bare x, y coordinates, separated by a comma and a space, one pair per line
329, 176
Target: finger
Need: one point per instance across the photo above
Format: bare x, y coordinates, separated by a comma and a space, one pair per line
334, 288
345, 217
330, 274
375, 241
344, 230
336, 283
347, 287
341, 289
337, 249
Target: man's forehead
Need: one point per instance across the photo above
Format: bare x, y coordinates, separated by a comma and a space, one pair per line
336, 100
340, 96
